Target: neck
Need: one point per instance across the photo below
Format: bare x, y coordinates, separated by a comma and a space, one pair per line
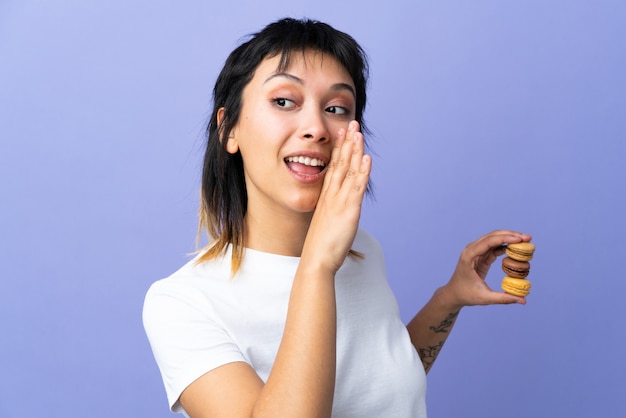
283, 235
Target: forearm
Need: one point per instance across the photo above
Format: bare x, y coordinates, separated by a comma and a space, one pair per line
302, 380
430, 328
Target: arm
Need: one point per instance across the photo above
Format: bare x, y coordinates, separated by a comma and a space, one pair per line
430, 328
302, 379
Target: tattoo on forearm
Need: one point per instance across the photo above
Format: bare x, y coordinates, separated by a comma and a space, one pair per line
429, 354
446, 324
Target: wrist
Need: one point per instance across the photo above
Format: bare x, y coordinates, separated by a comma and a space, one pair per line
447, 298
315, 268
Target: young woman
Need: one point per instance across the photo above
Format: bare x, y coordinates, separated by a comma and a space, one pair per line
287, 312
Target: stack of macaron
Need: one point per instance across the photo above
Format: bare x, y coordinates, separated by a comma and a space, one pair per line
516, 266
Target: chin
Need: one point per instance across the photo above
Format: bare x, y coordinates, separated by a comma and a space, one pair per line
303, 208
304, 205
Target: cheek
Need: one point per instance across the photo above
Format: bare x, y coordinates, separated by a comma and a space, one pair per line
334, 128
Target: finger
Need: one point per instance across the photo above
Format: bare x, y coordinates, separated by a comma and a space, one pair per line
359, 145
335, 160
356, 158
522, 236
495, 242
501, 298
359, 183
358, 173
357, 148
342, 151
342, 158
335, 155
487, 296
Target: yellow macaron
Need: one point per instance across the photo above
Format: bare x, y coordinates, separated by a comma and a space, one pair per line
520, 251
517, 287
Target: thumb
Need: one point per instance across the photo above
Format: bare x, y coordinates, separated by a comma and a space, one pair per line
501, 298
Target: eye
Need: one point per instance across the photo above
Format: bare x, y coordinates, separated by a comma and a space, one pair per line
282, 102
338, 110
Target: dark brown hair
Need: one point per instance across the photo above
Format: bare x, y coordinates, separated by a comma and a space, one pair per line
223, 199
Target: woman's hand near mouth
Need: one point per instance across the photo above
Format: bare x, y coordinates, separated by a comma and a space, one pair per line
336, 217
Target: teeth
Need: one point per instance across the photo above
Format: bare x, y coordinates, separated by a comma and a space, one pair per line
306, 161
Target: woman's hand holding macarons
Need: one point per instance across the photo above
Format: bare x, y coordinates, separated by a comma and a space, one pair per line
467, 285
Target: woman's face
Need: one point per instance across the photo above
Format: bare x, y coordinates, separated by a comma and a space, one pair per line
286, 129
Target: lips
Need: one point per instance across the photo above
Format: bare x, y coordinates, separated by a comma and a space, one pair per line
300, 159
305, 165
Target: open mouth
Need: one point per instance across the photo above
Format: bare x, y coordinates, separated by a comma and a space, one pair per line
305, 165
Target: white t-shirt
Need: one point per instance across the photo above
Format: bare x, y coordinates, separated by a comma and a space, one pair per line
201, 317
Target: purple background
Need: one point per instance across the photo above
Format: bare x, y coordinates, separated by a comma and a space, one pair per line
486, 114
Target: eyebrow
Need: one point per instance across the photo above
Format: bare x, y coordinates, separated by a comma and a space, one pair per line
298, 80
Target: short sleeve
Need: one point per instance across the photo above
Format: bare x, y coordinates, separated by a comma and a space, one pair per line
186, 340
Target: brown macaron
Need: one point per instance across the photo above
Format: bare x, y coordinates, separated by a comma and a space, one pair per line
514, 268
520, 251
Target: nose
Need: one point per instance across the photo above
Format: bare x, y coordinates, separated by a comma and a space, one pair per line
314, 127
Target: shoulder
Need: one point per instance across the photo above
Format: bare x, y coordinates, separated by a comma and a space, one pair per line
369, 259
182, 321
366, 244
185, 290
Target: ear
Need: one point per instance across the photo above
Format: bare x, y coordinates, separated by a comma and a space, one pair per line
231, 143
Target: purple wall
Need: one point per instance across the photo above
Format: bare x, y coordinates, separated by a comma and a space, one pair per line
486, 115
